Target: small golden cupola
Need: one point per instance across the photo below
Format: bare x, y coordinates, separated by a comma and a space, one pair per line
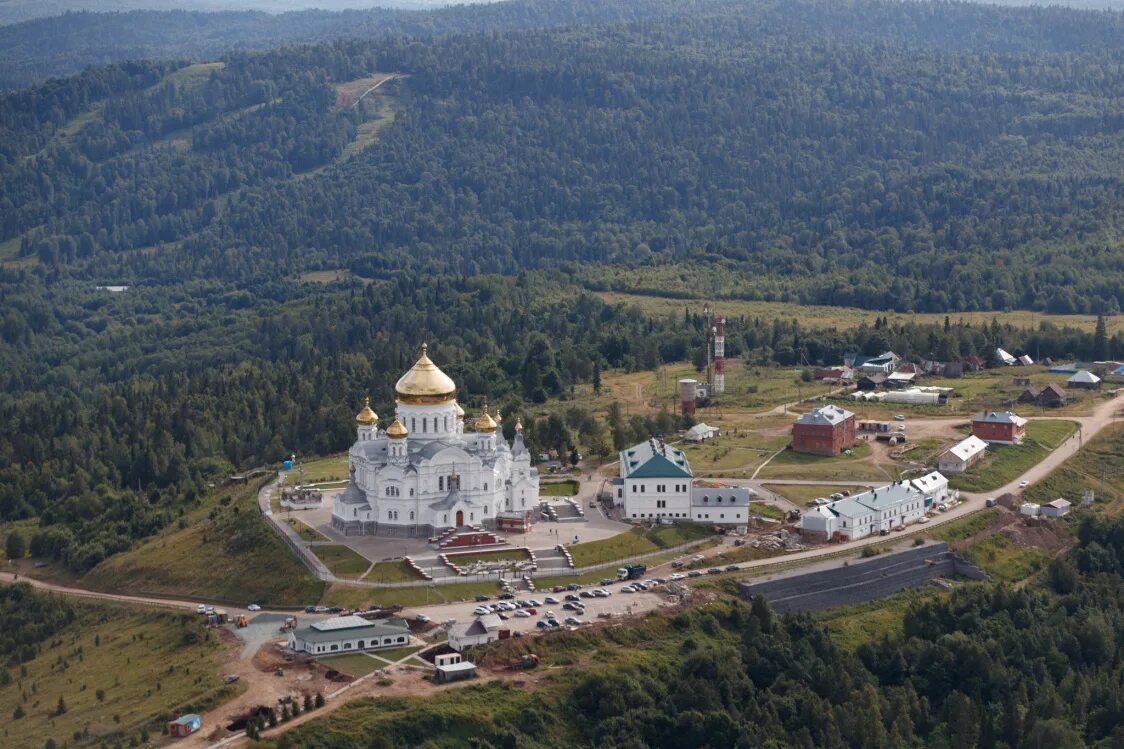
367, 417
486, 423
519, 424
425, 384
397, 430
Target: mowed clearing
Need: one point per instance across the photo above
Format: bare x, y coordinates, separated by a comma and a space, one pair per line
845, 318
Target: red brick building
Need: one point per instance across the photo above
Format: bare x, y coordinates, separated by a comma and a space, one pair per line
824, 431
1002, 427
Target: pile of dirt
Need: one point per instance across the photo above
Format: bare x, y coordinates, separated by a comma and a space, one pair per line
1046, 535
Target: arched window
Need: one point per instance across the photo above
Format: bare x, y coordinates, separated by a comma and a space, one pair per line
706, 498
441, 483
411, 514
413, 424
446, 520
485, 486
425, 422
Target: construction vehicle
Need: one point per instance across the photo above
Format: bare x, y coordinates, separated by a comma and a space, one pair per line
241, 621
631, 572
523, 662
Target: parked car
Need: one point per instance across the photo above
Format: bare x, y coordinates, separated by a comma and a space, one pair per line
899, 417
1024, 484
503, 616
571, 597
532, 612
200, 609
714, 571
522, 614
481, 598
587, 594
677, 576
677, 564
550, 599
695, 573
541, 624
558, 588
574, 621
628, 589
506, 596
421, 618
607, 581
732, 568
552, 623
573, 586
602, 593
482, 611
253, 607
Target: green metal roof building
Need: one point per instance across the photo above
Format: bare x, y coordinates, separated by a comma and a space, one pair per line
343, 634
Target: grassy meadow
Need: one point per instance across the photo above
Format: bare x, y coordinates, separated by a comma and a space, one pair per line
120, 670
1003, 463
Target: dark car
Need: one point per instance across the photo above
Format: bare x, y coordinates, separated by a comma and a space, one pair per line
569, 606
573, 586
571, 597
695, 573
481, 598
335, 610
607, 581
310, 609
714, 571
506, 596
587, 594
558, 588
541, 624
732, 568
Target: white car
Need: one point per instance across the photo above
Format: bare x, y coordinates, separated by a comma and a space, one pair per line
628, 589
548, 615
677, 576
923, 519
253, 607
482, 611
200, 609
899, 417
522, 614
1024, 484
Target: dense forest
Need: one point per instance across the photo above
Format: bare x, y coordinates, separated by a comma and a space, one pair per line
988, 667
886, 155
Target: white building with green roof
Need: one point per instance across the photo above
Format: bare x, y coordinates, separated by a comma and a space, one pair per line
654, 482
345, 634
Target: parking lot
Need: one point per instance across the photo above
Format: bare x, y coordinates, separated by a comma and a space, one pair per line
618, 604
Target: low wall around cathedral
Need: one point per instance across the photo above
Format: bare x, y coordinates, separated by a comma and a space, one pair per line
390, 530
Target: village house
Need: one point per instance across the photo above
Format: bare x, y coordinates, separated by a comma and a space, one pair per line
1085, 380
999, 427
1057, 508
1048, 397
344, 634
828, 430
961, 456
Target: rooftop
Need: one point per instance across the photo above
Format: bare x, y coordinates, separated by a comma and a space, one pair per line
654, 459
825, 415
968, 448
999, 417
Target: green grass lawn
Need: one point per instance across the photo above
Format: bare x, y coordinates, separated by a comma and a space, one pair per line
304, 531
148, 665
392, 572
341, 560
353, 664
499, 555
622, 547
1004, 463
1003, 559
558, 489
397, 654
967, 526
855, 467
766, 511
1098, 465
801, 494
353, 597
196, 558
318, 470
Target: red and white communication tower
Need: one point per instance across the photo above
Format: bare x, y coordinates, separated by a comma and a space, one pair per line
719, 356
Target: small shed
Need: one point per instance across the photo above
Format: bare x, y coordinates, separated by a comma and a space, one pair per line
1029, 509
701, 433
447, 672
185, 725
1057, 508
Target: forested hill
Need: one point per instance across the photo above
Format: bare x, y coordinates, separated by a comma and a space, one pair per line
35, 50
883, 155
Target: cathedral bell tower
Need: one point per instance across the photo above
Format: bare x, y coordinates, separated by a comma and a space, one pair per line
486, 431
397, 449
367, 421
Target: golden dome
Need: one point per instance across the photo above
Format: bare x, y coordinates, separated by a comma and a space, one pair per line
460, 411
519, 424
425, 384
486, 423
499, 417
367, 417
396, 431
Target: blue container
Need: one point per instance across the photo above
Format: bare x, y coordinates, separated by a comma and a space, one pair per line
287, 465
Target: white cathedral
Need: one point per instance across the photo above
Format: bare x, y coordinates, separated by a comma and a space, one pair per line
424, 473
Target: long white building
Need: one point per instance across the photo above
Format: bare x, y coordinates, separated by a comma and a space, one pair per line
425, 472
881, 509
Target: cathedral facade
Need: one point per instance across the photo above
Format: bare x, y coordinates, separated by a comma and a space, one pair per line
426, 472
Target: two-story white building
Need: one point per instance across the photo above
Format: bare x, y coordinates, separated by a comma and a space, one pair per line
654, 483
